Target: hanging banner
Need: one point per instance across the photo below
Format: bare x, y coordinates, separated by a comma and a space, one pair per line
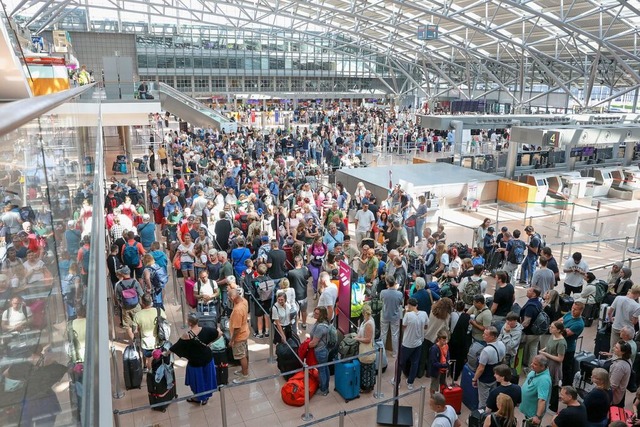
344, 297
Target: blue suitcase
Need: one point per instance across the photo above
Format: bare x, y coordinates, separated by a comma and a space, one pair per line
347, 379
469, 392
123, 167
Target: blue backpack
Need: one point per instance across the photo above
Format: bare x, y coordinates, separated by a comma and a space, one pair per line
130, 255
518, 252
159, 277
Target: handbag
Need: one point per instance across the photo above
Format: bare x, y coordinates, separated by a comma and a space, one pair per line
365, 348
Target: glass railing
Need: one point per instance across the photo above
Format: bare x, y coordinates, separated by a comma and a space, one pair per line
163, 87
51, 217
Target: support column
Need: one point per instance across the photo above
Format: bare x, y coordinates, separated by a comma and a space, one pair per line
512, 155
457, 140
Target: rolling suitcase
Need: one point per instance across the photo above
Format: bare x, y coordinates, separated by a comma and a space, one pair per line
132, 367
115, 167
452, 392
287, 359
602, 316
469, 392
188, 292
589, 313
603, 340
219, 351
347, 379
207, 319
159, 391
123, 168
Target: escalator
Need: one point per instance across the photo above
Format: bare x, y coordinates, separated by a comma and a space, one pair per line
191, 110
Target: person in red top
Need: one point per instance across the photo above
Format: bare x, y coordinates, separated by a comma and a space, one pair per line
127, 258
186, 226
32, 240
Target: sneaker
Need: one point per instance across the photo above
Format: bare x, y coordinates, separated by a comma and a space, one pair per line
315, 296
266, 334
304, 326
145, 371
238, 372
257, 335
324, 393
409, 386
240, 379
393, 381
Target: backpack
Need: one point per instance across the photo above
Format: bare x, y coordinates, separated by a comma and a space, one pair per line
517, 254
348, 347
293, 391
542, 242
265, 289
540, 325
159, 277
332, 337
163, 329
473, 288
86, 258
430, 267
601, 291
243, 222
130, 297
130, 255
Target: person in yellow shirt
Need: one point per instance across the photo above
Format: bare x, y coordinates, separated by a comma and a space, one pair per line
84, 78
162, 155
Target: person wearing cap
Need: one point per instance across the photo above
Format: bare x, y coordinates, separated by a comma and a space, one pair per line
130, 305
147, 232
489, 242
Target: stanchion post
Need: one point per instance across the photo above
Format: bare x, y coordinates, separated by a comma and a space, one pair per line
422, 399
223, 405
117, 392
635, 235
572, 231
341, 420
530, 219
116, 418
176, 292
600, 237
562, 250
573, 210
307, 416
595, 224
497, 216
439, 222
183, 306
626, 245
112, 316
378, 393
272, 358
559, 225
526, 208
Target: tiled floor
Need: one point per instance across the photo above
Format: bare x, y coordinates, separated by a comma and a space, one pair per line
260, 404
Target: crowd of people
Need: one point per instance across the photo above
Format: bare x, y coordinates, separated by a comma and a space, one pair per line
249, 219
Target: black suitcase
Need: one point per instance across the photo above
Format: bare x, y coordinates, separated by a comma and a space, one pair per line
476, 418
208, 319
220, 357
115, 167
222, 374
589, 314
286, 358
603, 340
132, 367
158, 391
565, 303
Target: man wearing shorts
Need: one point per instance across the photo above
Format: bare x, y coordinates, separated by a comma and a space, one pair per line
144, 322
162, 155
239, 330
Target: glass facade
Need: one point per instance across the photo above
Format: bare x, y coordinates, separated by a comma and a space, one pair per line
47, 189
223, 60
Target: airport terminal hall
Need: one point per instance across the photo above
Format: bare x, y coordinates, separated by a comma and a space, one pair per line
330, 213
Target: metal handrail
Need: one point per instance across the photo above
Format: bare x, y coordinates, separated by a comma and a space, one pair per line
163, 87
17, 113
96, 399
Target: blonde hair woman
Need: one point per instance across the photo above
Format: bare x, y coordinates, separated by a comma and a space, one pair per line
286, 288
504, 417
365, 338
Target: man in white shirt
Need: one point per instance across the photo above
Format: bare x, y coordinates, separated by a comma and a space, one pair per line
17, 317
624, 312
576, 269
328, 294
364, 223
445, 415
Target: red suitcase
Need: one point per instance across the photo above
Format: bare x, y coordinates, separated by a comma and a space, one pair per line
452, 392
